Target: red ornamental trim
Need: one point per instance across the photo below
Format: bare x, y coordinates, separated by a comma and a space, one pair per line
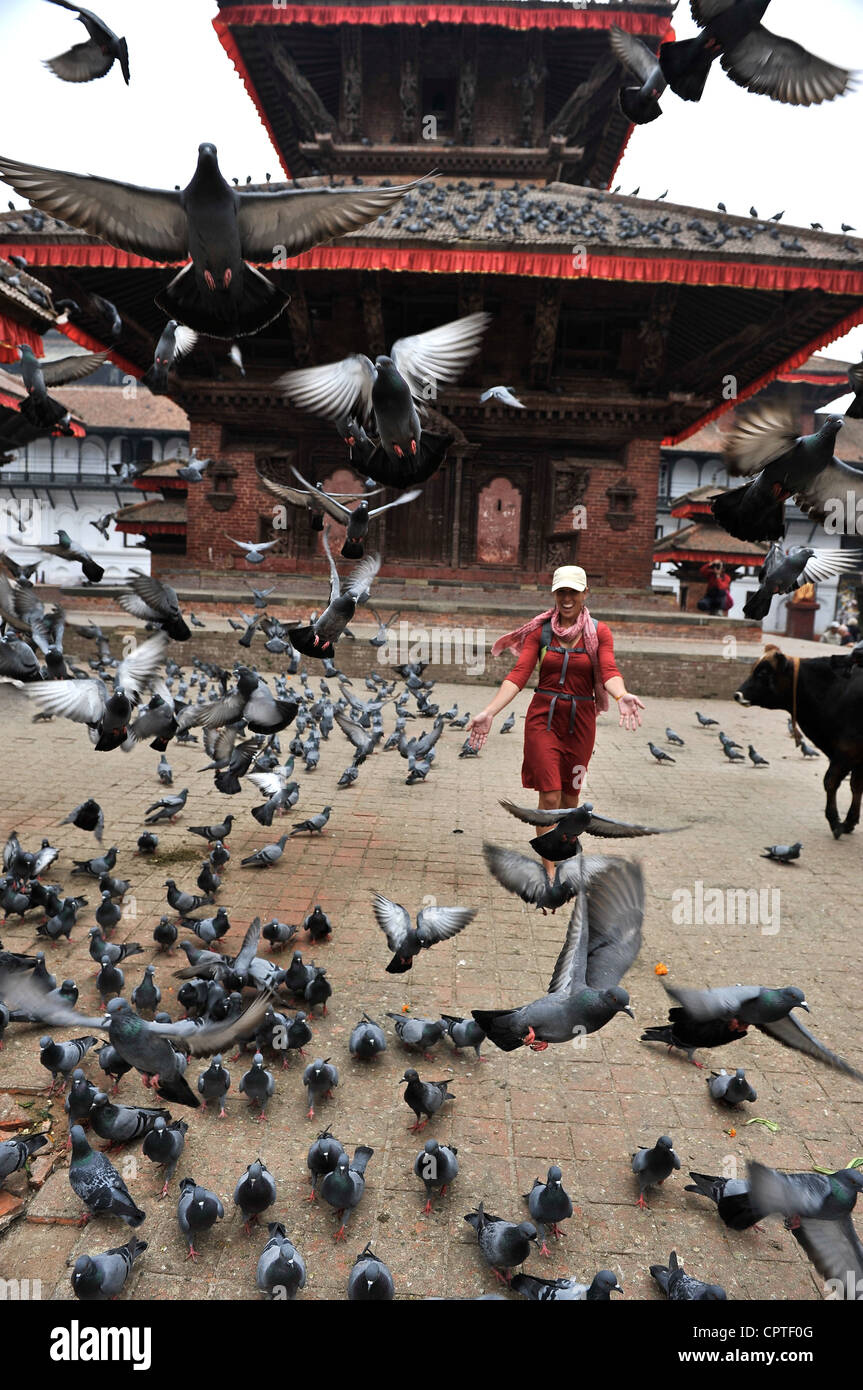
520, 17
134, 528
13, 332
83, 339
703, 557
851, 321
533, 264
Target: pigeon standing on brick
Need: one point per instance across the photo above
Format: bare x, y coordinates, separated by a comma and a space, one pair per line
319, 1078
197, 1211
15, 1153
281, 1271
367, 1039
146, 995
164, 1145
344, 1186
61, 1059
783, 854
96, 1278
503, 1245
732, 1197
653, 1166
731, 1089
255, 1191
318, 925
464, 1032
424, 1097
258, 1085
418, 1034
267, 856
549, 1203
314, 824
436, 1165
122, 1124
214, 1084
322, 1158
168, 808
79, 1101
370, 1281
681, 1287
659, 754
98, 1184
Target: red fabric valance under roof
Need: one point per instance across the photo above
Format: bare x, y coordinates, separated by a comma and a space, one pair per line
13, 332
499, 16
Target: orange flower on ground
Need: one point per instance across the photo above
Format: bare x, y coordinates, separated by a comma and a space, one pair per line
661, 969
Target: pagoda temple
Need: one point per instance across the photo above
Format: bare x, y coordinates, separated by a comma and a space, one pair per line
617, 320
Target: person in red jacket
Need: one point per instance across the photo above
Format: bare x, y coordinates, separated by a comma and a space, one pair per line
717, 599
577, 673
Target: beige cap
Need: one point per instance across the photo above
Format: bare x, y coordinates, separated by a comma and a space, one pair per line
569, 577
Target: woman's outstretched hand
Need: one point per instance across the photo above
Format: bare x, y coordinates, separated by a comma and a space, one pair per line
630, 707
479, 729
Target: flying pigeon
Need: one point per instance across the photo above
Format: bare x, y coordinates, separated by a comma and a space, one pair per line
406, 941
782, 573
82, 63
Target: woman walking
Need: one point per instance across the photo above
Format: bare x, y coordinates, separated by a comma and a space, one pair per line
577, 673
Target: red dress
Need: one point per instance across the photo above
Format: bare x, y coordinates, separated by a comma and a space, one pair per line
559, 731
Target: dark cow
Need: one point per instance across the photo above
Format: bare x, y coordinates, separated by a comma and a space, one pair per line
829, 709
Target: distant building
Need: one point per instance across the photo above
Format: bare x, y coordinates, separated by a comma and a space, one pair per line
689, 471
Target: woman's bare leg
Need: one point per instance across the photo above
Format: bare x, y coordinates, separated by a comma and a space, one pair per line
550, 801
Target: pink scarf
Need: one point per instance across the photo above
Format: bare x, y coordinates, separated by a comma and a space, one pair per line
582, 628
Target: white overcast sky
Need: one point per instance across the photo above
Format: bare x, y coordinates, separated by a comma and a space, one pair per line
741, 149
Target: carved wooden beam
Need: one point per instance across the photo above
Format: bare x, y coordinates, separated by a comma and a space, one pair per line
653, 337
466, 95
308, 111
299, 323
545, 322
707, 371
352, 80
576, 110
529, 82
409, 85
373, 314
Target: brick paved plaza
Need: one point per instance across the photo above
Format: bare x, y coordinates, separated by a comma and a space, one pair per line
584, 1108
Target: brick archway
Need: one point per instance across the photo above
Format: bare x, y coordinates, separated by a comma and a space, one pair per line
498, 523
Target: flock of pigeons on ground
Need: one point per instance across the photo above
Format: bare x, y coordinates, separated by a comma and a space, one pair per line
267, 1011
382, 410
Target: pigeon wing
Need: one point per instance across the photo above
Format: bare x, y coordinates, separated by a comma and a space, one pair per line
246, 953
65, 369
834, 481
832, 1246
571, 967
443, 922
774, 66
300, 218
361, 575
759, 435
632, 53
610, 829
207, 1038
441, 354
791, 1033
294, 495
517, 873
352, 730
146, 221
705, 1004
80, 700
824, 564
213, 715
788, 1194
157, 595
529, 815
615, 897
19, 991
81, 63
141, 665
333, 389
394, 920
397, 502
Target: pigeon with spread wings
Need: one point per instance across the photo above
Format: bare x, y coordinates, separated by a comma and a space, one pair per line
756, 1006
85, 61
356, 520
217, 228
639, 104
602, 941
406, 941
569, 823
383, 395
89, 701
317, 638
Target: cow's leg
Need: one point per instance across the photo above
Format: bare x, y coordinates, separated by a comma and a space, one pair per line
853, 816
833, 779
